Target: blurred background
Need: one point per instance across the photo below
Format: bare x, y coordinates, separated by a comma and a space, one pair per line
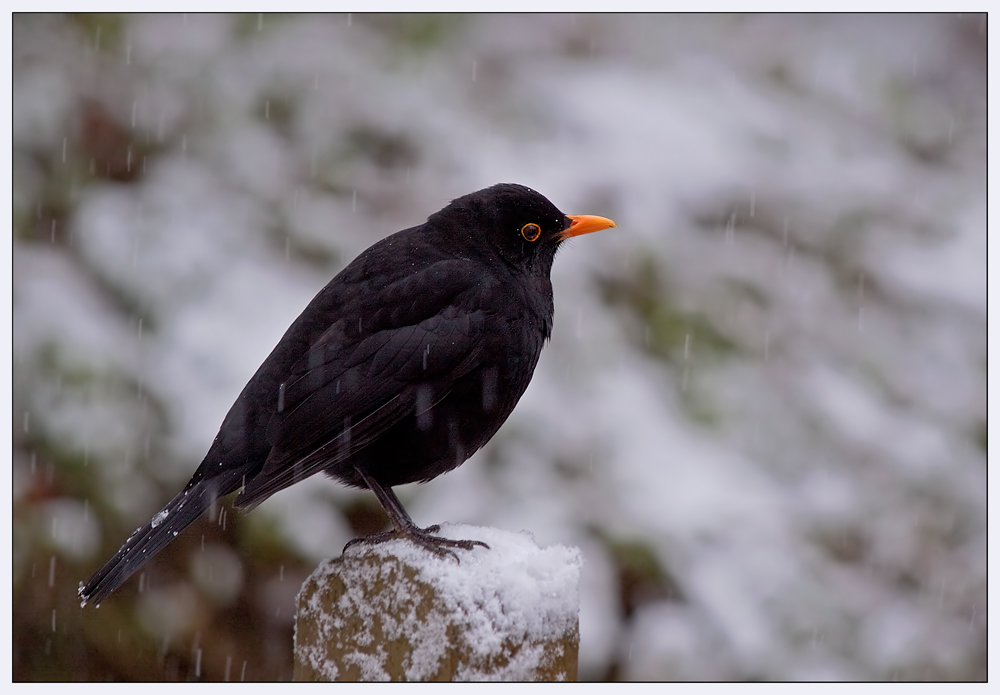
762, 415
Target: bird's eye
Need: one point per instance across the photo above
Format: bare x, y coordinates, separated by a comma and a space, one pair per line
531, 231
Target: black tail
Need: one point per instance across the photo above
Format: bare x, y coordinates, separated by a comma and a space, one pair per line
147, 541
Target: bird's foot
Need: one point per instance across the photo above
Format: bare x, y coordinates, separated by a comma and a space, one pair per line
421, 537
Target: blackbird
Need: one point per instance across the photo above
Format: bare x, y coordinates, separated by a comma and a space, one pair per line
400, 369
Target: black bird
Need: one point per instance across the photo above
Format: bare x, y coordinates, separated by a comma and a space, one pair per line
400, 369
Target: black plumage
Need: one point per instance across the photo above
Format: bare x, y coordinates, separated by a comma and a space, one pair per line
399, 370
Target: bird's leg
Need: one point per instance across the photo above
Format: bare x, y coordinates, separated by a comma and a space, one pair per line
403, 526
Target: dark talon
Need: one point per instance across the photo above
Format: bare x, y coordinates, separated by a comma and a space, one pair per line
403, 526
421, 537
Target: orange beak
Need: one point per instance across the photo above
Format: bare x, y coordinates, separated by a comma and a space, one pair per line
585, 224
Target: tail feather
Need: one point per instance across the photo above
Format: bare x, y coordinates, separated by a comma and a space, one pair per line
148, 540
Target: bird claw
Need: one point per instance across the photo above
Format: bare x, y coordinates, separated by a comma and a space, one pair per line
421, 537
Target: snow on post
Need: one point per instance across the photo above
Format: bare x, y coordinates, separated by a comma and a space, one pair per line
396, 612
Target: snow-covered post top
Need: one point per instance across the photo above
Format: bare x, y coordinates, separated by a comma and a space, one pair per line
396, 612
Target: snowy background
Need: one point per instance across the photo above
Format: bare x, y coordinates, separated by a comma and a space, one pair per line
762, 415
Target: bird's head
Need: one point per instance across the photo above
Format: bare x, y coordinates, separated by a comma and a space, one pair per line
518, 223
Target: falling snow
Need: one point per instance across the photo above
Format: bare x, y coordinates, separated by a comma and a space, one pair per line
762, 414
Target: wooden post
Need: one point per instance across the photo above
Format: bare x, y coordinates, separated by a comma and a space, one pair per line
396, 612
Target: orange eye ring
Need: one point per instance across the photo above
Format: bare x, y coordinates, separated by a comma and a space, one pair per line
531, 231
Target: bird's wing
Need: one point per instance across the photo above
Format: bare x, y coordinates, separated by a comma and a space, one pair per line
366, 373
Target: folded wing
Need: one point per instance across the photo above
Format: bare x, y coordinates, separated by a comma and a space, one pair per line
370, 370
